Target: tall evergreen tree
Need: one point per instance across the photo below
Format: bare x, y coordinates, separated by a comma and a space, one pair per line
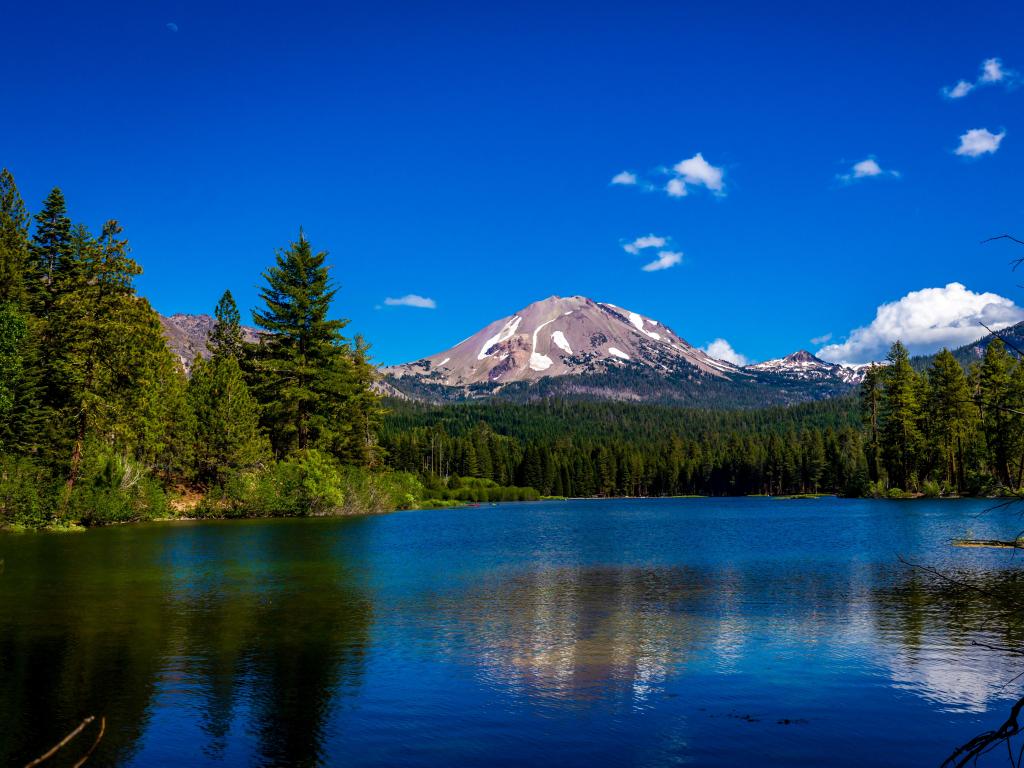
901, 417
870, 405
303, 369
51, 251
228, 437
951, 421
226, 339
995, 399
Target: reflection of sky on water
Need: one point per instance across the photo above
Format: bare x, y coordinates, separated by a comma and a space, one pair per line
627, 633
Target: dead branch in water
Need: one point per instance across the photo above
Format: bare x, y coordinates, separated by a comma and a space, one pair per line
67, 740
993, 543
985, 742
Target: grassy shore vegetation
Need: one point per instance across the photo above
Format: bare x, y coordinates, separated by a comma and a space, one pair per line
100, 423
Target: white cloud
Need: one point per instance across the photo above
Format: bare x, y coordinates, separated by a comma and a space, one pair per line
665, 260
676, 188
979, 141
823, 339
692, 172
959, 90
866, 169
647, 241
720, 349
992, 72
411, 300
696, 171
925, 321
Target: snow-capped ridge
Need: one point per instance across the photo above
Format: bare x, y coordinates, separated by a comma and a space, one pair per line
804, 366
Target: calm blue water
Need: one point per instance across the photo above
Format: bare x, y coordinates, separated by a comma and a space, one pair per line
648, 633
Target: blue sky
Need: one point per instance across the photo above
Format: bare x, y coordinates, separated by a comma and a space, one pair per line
463, 152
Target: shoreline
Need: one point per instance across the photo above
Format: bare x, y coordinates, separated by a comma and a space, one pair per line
437, 504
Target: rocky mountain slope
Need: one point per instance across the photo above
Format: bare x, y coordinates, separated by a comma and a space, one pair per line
187, 334
579, 347
559, 337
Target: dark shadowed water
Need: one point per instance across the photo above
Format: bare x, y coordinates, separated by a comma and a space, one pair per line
663, 632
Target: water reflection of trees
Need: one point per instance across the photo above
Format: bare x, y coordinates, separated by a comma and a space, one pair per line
264, 625
949, 635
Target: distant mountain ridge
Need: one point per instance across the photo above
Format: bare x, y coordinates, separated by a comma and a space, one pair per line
579, 347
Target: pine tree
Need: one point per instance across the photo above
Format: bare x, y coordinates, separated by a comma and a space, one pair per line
14, 222
228, 437
870, 405
994, 394
51, 251
226, 339
951, 417
900, 418
303, 369
114, 377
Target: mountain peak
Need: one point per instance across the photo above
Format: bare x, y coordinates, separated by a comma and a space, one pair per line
560, 336
803, 356
804, 366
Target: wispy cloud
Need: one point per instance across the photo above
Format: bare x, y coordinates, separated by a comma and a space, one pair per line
171, 26
665, 260
979, 141
625, 178
411, 300
720, 349
646, 241
992, 71
925, 321
866, 169
959, 90
825, 338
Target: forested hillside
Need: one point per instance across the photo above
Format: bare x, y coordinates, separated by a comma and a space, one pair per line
99, 423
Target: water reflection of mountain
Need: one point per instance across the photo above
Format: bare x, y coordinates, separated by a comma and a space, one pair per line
574, 635
257, 631
579, 634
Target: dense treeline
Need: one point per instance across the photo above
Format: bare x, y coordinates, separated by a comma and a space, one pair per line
98, 420
945, 430
938, 431
572, 448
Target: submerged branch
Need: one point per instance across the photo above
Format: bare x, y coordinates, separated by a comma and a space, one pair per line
67, 740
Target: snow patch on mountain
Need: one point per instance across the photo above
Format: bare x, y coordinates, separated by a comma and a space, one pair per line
638, 323
504, 334
560, 341
618, 353
539, 362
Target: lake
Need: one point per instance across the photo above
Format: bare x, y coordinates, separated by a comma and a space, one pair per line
712, 632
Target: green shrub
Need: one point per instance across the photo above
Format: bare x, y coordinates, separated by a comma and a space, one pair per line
113, 488
27, 493
311, 483
931, 489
